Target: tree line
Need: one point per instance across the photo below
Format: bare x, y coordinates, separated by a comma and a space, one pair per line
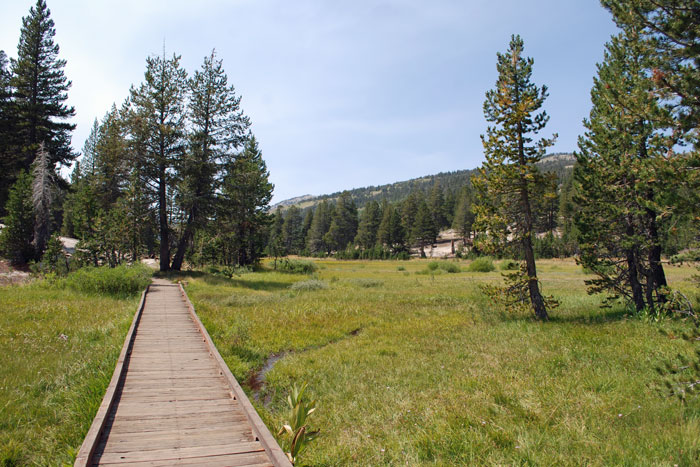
173, 170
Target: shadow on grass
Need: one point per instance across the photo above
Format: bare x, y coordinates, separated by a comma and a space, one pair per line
212, 279
603, 316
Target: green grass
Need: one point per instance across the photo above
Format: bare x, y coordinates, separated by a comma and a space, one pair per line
423, 371
58, 348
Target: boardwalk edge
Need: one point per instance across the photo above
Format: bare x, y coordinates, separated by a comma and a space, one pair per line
273, 449
87, 449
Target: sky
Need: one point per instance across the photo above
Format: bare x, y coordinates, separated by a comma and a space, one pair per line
341, 94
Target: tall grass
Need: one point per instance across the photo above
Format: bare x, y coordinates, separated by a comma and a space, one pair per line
58, 348
423, 371
121, 281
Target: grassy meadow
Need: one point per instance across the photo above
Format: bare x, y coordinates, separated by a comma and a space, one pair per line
409, 363
58, 348
414, 367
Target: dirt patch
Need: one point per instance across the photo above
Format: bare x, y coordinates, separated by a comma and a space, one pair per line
11, 275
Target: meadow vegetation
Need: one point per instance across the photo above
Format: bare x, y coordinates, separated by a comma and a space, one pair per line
422, 369
59, 343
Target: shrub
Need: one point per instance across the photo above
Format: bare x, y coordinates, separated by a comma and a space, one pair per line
444, 266
297, 266
509, 265
122, 281
311, 284
400, 268
483, 264
367, 283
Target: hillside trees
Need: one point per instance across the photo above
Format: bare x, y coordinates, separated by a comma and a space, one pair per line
344, 222
320, 224
625, 173
509, 176
369, 225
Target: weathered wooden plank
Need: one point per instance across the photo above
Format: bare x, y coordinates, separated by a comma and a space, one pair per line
226, 460
183, 453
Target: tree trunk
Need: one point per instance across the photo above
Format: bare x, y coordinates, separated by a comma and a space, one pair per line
163, 218
184, 241
657, 275
633, 279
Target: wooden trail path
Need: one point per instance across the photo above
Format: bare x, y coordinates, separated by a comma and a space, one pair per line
172, 399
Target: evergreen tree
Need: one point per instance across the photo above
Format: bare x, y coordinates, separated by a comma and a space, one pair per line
43, 191
506, 182
424, 229
275, 245
292, 233
88, 160
391, 233
626, 179
343, 226
7, 131
369, 225
243, 207
158, 121
306, 227
219, 130
40, 92
109, 159
409, 208
464, 215
16, 236
669, 33
319, 227
436, 205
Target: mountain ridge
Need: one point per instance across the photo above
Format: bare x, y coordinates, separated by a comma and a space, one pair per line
560, 163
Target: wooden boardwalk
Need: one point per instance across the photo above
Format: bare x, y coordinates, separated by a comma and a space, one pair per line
172, 400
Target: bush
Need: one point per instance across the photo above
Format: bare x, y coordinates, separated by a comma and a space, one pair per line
400, 268
311, 284
296, 266
509, 265
483, 264
367, 283
122, 281
443, 265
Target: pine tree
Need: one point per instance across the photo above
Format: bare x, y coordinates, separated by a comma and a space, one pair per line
43, 192
275, 244
16, 236
424, 229
669, 32
507, 180
219, 129
243, 207
626, 179
158, 121
7, 131
343, 223
369, 225
319, 227
306, 227
40, 92
391, 233
464, 215
436, 204
292, 234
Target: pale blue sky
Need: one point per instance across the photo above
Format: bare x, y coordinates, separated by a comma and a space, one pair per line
342, 94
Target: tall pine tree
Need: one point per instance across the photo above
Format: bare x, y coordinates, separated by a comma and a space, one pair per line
40, 92
158, 120
507, 180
